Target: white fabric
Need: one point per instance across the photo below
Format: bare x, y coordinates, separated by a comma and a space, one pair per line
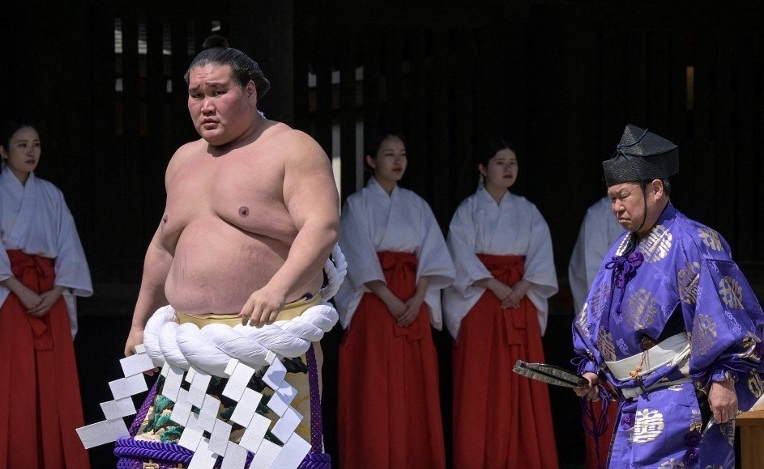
514, 227
669, 352
599, 230
373, 221
34, 218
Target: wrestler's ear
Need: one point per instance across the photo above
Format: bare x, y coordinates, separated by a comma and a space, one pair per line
251, 89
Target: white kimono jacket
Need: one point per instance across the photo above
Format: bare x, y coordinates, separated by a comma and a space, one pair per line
599, 230
514, 227
374, 222
34, 218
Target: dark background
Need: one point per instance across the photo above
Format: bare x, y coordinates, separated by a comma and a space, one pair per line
102, 81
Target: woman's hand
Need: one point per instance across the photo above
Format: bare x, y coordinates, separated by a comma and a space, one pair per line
28, 298
519, 290
411, 312
500, 290
394, 305
47, 299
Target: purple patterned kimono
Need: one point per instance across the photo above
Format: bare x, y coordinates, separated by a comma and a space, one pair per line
679, 278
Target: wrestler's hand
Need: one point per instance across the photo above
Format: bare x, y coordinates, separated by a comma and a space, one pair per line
133, 339
589, 392
722, 398
47, 299
262, 307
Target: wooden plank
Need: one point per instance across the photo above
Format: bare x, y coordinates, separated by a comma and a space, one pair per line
351, 162
129, 154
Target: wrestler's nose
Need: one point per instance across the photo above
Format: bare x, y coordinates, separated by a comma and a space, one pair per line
207, 105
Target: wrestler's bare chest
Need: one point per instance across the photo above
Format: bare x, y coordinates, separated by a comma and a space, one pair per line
242, 189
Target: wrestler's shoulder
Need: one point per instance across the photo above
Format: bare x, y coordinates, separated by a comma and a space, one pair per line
288, 138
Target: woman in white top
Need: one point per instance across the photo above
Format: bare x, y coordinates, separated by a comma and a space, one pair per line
41, 262
388, 398
496, 311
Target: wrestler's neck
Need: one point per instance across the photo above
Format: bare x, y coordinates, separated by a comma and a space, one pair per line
250, 134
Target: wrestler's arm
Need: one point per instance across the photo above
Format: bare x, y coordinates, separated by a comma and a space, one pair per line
310, 197
156, 266
151, 295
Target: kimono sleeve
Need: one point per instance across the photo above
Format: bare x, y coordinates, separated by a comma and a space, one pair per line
357, 246
434, 259
72, 269
727, 329
461, 244
539, 261
5, 263
584, 353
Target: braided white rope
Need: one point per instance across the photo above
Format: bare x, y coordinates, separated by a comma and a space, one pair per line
211, 348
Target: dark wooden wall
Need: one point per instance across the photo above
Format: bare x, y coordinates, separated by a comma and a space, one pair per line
560, 79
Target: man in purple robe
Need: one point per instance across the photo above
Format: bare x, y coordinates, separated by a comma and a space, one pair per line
670, 322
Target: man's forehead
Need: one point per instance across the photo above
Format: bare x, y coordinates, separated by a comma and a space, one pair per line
622, 187
210, 73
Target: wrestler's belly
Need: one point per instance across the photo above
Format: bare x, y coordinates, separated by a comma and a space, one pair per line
216, 267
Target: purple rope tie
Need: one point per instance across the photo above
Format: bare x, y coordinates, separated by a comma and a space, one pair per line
624, 269
316, 425
596, 427
136, 425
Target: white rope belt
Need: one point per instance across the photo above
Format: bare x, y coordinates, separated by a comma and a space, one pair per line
211, 348
186, 352
669, 352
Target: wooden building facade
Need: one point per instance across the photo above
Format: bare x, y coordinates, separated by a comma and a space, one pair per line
104, 82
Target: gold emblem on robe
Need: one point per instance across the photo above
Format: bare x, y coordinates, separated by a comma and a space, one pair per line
640, 310
605, 344
687, 282
657, 244
731, 292
710, 238
703, 334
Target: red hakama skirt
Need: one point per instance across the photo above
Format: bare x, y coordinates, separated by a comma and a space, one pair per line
40, 403
389, 413
501, 420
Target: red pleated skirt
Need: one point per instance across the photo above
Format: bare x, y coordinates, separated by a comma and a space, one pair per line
501, 420
40, 404
389, 413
